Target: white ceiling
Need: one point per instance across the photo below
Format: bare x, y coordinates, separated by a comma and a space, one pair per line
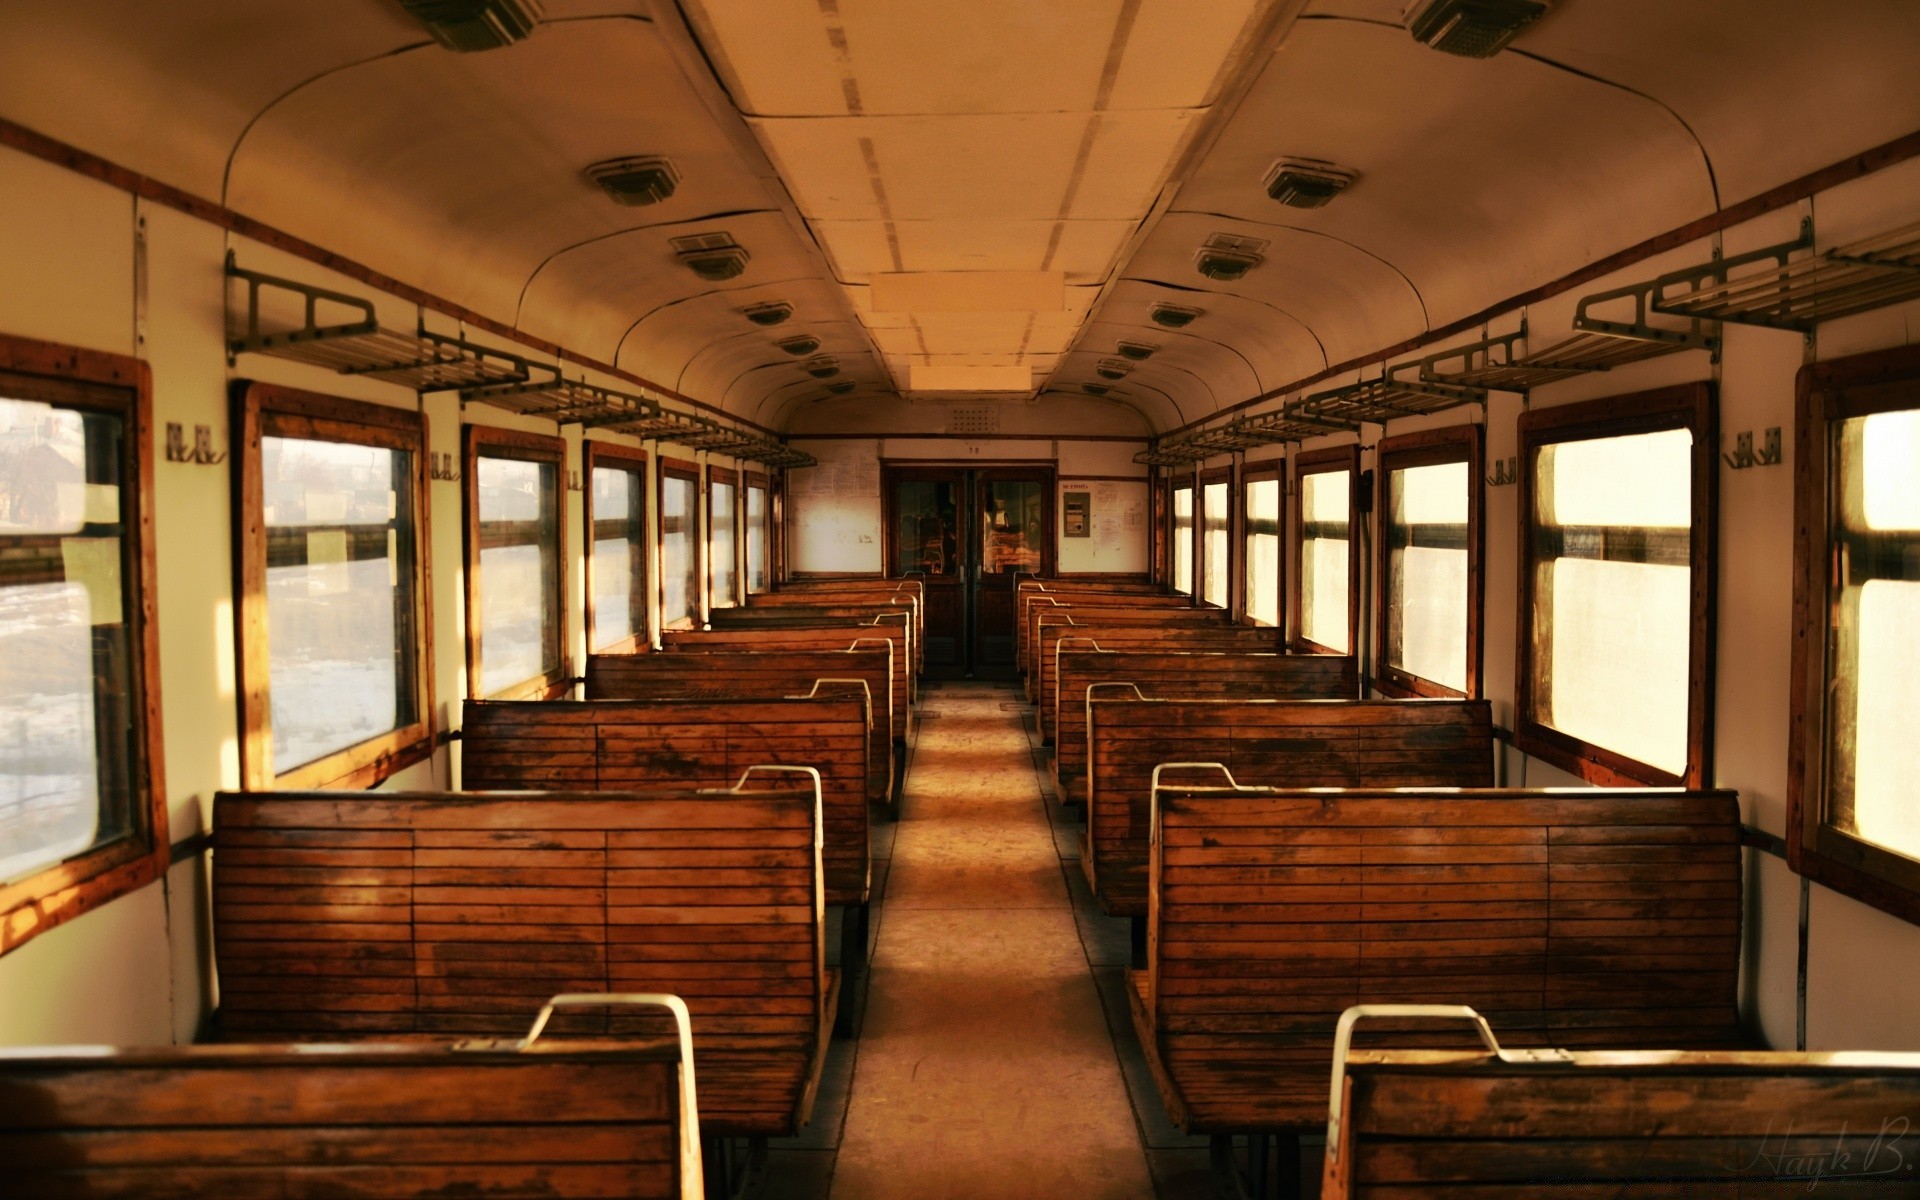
840, 139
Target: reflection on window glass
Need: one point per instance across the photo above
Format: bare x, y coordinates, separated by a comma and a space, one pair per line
1013, 526
1612, 616
925, 528
619, 557
339, 529
1427, 572
1875, 655
1213, 555
1183, 539
66, 737
724, 573
519, 571
1263, 551
1326, 499
758, 538
679, 562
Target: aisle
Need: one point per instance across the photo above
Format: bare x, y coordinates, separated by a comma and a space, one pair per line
985, 1070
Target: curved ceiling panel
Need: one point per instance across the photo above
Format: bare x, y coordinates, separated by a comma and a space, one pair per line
1222, 378
1271, 344
718, 368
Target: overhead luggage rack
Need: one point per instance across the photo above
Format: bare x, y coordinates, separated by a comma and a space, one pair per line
1171, 455
1381, 400
1495, 365
1797, 293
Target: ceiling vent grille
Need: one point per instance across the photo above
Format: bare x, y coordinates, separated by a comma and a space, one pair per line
799, 344
841, 388
1137, 351
1306, 182
985, 419
635, 181
1112, 368
1471, 28
711, 256
1173, 316
470, 25
822, 367
767, 314
1228, 257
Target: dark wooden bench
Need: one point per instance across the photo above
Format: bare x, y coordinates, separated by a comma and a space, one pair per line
384, 1122
824, 616
433, 917
1042, 617
1564, 1125
633, 745
1576, 917
1192, 635
762, 676
1030, 606
1149, 674
888, 593
1274, 743
839, 637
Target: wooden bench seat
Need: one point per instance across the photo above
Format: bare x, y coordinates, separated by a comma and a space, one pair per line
633, 745
887, 593
1275, 743
1576, 917
1653, 1123
1042, 619
399, 916
766, 675
1177, 675
383, 1122
848, 637
1182, 636
899, 621
1031, 606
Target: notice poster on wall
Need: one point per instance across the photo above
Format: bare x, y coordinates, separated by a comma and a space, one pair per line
1075, 508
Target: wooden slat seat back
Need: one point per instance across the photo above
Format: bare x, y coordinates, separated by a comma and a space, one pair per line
1030, 605
833, 637
434, 916
882, 593
382, 1122
1679, 1124
1178, 675
1196, 633
767, 675
1043, 616
632, 745
824, 616
1568, 917
1269, 743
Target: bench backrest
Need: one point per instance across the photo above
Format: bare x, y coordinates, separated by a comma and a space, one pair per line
1273, 743
821, 616
1088, 611
1136, 631
834, 637
1028, 606
1179, 675
887, 596
382, 1122
1567, 917
761, 676
1613, 1123
632, 745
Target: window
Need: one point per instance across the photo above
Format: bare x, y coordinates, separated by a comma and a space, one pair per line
335, 691
1261, 490
759, 532
1327, 570
1853, 822
1430, 547
679, 544
722, 563
616, 513
1616, 586
516, 583
1182, 509
82, 807
1215, 566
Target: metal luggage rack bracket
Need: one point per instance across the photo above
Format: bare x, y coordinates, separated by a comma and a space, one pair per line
1387, 398
1797, 293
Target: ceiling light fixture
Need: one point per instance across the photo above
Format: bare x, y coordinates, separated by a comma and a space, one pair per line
1306, 182
635, 181
1112, 368
471, 25
1227, 257
711, 256
1137, 351
823, 367
1470, 28
1095, 389
842, 388
771, 313
1173, 316
804, 343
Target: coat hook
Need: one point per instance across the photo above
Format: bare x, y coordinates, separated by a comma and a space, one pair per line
573, 481
202, 453
1506, 472
440, 467
1744, 455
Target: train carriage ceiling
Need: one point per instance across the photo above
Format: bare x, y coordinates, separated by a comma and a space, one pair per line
967, 198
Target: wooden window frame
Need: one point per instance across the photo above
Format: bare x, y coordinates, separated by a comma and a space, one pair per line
1825, 394
50, 897
748, 481
262, 410
1250, 474
1175, 483
1690, 406
527, 447
1432, 447
622, 458
715, 477
1216, 475
1321, 462
680, 468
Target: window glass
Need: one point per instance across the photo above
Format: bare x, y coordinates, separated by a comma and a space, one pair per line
1013, 518
1214, 568
519, 571
1326, 499
759, 537
619, 556
66, 675
1874, 756
926, 527
1263, 551
1612, 534
340, 594
1427, 536
1183, 539
679, 562
724, 572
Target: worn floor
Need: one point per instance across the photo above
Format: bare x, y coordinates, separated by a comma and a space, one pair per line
994, 1061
